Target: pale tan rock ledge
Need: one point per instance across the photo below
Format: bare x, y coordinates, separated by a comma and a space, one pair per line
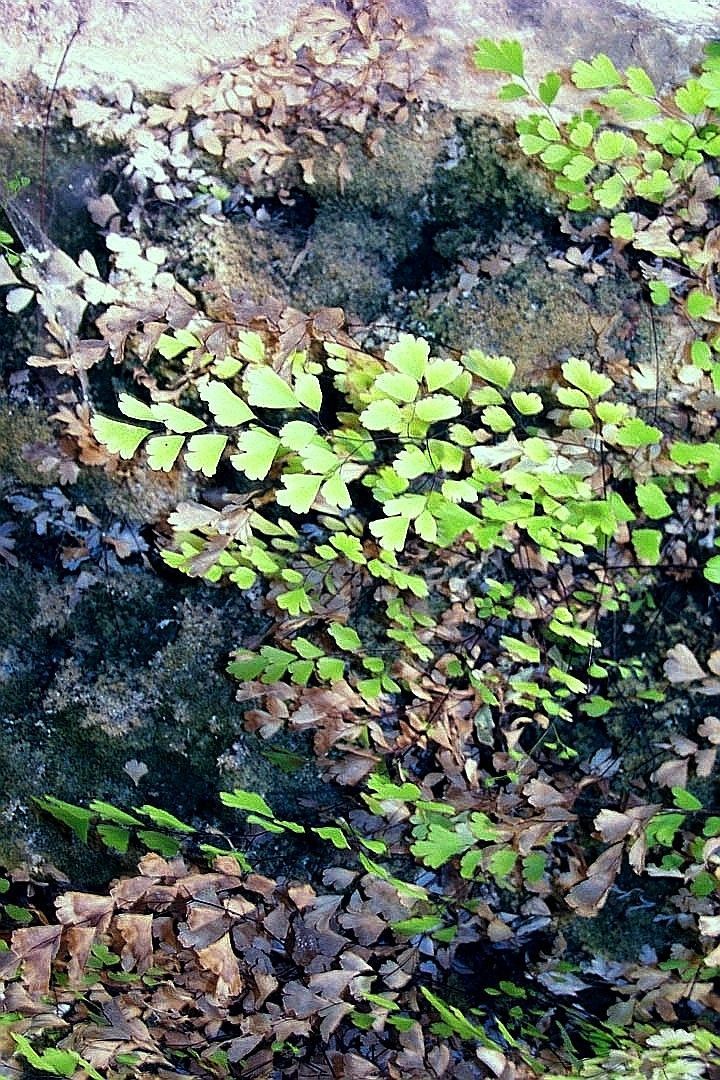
158, 45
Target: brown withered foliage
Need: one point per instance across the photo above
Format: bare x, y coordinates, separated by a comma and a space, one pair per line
211, 967
337, 69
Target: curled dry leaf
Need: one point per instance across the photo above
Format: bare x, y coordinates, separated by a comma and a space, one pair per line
301, 1001
673, 773
85, 909
135, 770
681, 665
137, 949
17, 299
590, 895
613, 826
710, 730
36, 947
78, 941
220, 959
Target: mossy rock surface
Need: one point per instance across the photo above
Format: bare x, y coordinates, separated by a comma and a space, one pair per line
131, 668
403, 218
21, 425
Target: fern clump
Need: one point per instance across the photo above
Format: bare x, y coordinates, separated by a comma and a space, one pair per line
355, 472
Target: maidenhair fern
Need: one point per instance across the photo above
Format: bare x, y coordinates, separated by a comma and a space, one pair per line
642, 159
352, 469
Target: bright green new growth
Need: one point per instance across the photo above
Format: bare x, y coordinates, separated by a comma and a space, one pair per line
53, 1060
642, 159
451, 455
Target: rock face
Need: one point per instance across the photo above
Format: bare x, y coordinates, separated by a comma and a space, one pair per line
101, 673
161, 45
663, 36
